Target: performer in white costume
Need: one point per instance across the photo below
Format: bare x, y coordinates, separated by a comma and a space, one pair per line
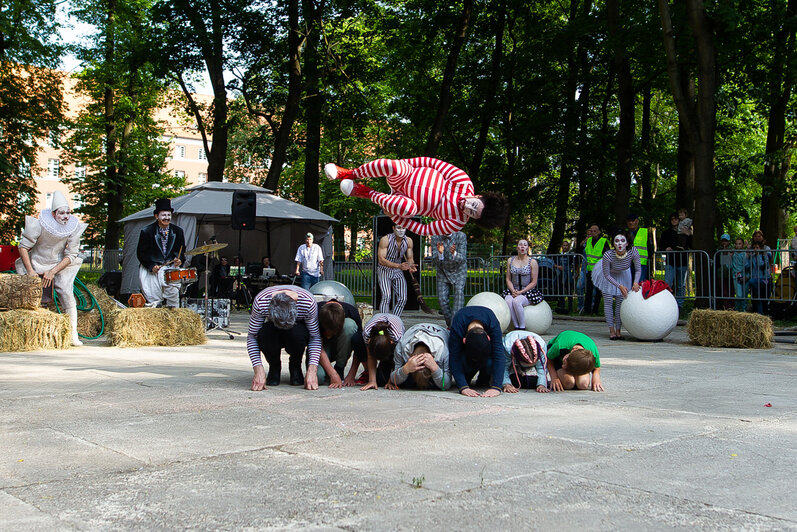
49, 247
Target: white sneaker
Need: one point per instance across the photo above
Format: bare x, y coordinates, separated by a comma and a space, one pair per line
331, 170
346, 186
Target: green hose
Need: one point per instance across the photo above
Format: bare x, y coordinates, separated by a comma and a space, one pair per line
83, 304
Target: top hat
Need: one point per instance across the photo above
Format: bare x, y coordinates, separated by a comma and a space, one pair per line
162, 204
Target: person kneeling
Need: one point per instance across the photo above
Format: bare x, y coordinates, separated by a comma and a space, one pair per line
526, 361
421, 358
573, 362
475, 346
341, 333
381, 334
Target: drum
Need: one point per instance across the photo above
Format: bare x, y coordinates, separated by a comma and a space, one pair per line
180, 275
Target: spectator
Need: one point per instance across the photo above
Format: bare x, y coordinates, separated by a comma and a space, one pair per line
759, 265
266, 263
740, 274
218, 279
642, 240
677, 259
593, 247
793, 249
565, 264
684, 223
723, 273
309, 262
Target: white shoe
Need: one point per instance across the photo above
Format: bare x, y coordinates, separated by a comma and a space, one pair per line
331, 170
72, 313
346, 186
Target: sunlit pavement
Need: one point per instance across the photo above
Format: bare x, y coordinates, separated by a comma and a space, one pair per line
99, 438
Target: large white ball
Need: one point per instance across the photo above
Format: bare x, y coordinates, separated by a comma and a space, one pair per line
494, 302
538, 317
652, 318
326, 290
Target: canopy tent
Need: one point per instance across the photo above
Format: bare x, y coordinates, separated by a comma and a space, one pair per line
205, 211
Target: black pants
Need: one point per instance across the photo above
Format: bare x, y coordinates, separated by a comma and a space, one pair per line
271, 340
592, 297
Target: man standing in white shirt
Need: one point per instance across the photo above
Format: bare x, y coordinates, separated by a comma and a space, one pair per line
309, 262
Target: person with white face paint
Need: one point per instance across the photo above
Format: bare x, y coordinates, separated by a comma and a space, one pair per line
424, 186
521, 280
612, 276
161, 244
394, 257
49, 248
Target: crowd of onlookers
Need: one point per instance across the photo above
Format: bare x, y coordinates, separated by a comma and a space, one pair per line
743, 279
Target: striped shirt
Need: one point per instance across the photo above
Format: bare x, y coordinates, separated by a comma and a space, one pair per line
396, 330
614, 265
307, 310
434, 185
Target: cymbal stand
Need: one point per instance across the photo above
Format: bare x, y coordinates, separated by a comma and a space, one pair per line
209, 323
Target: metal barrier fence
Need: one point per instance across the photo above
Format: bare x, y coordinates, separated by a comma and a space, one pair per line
101, 260
692, 274
761, 280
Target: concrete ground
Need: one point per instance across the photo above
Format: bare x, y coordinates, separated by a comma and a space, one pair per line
99, 438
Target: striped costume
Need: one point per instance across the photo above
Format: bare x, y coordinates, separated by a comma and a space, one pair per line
307, 311
396, 330
421, 186
391, 280
608, 274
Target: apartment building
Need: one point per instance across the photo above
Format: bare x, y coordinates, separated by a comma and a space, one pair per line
187, 154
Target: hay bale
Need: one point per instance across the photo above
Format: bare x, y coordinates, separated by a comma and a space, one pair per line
89, 323
727, 328
20, 291
136, 327
30, 330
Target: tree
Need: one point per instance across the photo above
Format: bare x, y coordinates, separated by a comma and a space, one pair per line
31, 102
116, 140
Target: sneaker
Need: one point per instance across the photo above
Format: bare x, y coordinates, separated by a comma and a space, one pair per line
335, 172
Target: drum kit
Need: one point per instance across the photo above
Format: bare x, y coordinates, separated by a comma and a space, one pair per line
187, 276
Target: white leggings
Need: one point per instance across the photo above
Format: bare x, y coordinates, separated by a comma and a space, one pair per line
516, 305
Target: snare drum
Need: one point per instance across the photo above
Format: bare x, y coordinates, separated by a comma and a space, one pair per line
180, 275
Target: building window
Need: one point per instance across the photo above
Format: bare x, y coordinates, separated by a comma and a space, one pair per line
202, 177
80, 171
53, 166
179, 173
181, 152
76, 202
48, 200
202, 155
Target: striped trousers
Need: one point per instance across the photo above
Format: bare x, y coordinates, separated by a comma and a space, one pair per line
394, 289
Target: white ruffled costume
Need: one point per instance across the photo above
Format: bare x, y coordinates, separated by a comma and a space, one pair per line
48, 242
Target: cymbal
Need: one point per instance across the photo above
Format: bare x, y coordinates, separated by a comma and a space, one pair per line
207, 248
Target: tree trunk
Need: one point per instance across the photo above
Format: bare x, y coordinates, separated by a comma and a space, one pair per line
114, 195
778, 156
283, 133
436, 134
491, 89
685, 181
312, 106
576, 69
625, 134
645, 171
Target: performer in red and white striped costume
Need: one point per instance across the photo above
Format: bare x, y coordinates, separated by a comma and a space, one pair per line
424, 186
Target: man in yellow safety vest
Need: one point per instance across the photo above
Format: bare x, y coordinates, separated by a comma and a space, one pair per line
643, 242
593, 248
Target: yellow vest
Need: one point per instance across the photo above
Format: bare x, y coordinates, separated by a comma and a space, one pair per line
594, 253
641, 244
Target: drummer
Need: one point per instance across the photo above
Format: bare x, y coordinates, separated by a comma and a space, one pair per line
161, 245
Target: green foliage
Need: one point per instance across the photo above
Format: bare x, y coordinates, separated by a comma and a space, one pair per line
31, 103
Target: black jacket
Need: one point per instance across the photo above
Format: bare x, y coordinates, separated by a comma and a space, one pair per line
149, 250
